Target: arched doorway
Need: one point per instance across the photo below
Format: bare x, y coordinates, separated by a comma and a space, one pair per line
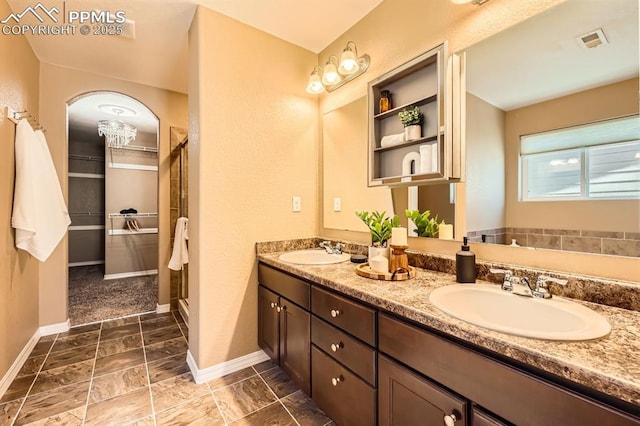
113, 203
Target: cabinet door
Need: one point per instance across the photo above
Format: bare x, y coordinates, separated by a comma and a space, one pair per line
268, 322
295, 333
404, 398
346, 398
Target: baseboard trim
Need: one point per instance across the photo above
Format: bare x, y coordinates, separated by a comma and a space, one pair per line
130, 274
161, 309
183, 309
13, 371
224, 368
61, 327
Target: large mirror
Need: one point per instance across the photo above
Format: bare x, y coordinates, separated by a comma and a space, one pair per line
536, 78
344, 138
531, 78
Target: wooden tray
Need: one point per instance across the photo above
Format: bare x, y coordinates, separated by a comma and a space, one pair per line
365, 271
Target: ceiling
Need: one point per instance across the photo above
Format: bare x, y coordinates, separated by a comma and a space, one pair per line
85, 112
158, 56
540, 58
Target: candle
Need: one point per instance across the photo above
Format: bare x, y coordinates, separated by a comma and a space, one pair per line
399, 236
445, 232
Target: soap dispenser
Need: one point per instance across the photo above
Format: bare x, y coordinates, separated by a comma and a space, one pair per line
465, 264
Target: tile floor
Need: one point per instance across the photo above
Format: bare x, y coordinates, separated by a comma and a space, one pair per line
133, 371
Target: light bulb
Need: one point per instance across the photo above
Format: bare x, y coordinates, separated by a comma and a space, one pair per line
330, 75
315, 84
349, 59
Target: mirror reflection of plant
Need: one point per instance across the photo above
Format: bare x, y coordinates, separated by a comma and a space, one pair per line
426, 227
379, 226
411, 117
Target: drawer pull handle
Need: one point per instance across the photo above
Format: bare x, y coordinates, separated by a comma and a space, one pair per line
336, 346
336, 380
450, 419
280, 308
273, 305
335, 313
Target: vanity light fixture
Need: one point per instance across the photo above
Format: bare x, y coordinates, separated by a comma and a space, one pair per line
330, 75
337, 74
315, 82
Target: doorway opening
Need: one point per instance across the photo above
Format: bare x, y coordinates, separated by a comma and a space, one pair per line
113, 204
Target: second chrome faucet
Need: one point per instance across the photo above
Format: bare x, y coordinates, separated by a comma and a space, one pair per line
522, 286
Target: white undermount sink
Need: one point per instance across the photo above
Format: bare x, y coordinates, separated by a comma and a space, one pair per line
313, 257
491, 307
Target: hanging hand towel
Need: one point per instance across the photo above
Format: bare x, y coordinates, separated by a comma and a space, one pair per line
180, 254
40, 214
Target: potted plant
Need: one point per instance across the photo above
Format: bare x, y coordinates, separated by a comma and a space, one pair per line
426, 226
412, 120
380, 228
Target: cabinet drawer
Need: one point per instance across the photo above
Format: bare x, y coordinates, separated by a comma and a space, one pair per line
347, 399
406, 398
353, 354
504, 390
479, 417
284, 284
351, 317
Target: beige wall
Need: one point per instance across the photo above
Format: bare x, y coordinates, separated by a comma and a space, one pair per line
58, 86
398, 30
609, 101
252, 146
485, 186
18, 270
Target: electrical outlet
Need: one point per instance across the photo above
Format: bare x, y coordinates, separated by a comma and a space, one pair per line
337, 204
296, 203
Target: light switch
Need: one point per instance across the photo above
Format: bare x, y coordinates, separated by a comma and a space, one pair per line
337, 204
296, 204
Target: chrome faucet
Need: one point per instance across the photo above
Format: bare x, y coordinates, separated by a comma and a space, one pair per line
331, 249
523, 287
542, 290
506, 282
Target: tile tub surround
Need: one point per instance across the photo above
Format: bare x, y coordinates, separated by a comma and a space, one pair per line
609, 365
133, 371
600, 242
619, 294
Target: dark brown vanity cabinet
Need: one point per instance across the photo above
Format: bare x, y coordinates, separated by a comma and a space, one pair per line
509, 392
343, 358
284, 327
406, 398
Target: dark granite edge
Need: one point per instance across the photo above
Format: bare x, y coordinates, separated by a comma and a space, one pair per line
616, 293
514, 347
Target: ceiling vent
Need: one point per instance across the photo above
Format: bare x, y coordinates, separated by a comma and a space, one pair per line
129, 29
593, 39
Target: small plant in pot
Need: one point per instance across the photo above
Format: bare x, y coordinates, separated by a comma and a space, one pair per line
380, 228
426, 226
412, 120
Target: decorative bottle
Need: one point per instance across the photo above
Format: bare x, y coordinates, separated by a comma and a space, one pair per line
385, 101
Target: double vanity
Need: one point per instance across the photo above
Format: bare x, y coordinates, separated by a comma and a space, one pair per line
378, 352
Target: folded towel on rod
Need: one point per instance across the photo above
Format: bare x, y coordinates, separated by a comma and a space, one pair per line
180, 254
40, 215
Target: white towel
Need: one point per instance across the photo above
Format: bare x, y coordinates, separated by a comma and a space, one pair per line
391, 140
40, 214
180, 254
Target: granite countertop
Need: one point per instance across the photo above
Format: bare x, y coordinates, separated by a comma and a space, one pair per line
610, 365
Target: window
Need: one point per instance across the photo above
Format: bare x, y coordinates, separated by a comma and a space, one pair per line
593, 161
